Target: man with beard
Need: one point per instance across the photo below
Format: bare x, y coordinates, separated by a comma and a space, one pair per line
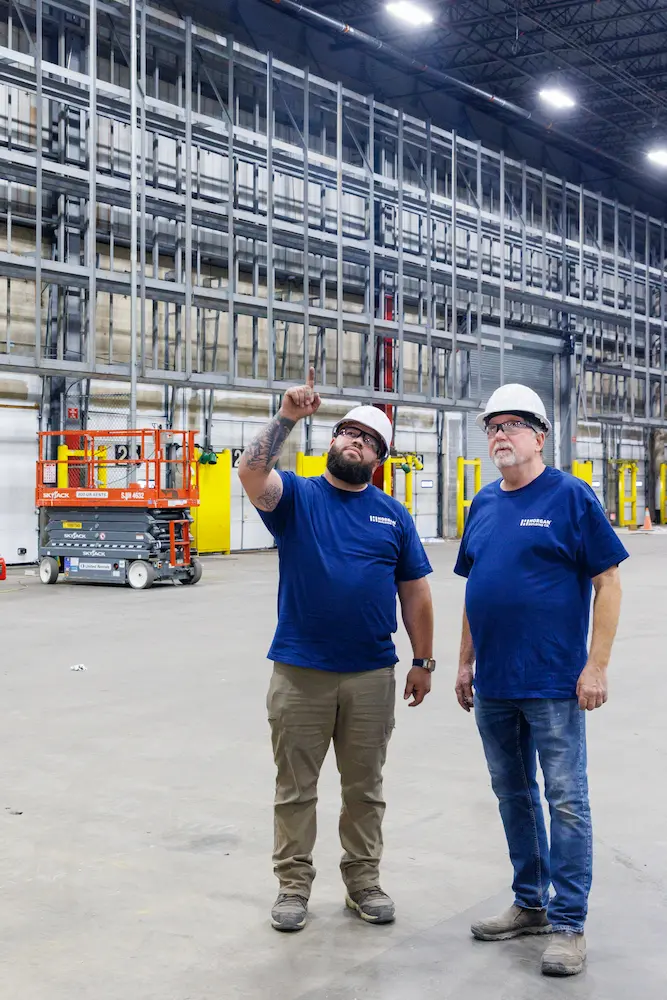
537, 543
346, 549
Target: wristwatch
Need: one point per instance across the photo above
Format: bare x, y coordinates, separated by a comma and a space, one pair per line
424, 664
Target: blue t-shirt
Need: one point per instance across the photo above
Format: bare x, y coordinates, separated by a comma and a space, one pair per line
529, 556
342, 555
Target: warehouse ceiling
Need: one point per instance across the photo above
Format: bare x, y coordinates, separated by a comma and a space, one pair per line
609, 56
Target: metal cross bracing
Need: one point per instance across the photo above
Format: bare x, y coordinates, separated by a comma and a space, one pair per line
184, 183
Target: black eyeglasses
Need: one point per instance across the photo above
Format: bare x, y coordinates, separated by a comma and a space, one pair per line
354, 433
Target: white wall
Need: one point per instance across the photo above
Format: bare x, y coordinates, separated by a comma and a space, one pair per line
18, 454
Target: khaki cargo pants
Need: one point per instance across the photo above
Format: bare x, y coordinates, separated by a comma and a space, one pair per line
308, 709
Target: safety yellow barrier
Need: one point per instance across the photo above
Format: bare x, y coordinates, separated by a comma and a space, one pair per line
624, 499
212, 527
583, 470
310, 465
462, 503
408, 463
64, 455
663, 493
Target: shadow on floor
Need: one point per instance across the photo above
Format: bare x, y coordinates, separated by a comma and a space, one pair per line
625, 936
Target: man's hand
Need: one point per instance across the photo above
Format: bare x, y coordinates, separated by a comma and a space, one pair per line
592, 687
417, 686
301, 401
464, 687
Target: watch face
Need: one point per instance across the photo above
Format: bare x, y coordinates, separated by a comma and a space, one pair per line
426, 664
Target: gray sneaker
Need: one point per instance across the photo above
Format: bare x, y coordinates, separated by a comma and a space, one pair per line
372, 905
512, 923
289, 912
565, 955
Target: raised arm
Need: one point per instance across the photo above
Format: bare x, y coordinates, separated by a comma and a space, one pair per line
259, 479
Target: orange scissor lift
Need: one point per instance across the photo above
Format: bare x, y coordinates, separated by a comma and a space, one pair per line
117, 506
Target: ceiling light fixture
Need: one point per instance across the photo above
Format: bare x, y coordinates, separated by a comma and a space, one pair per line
658, 156
557, 98
410, 12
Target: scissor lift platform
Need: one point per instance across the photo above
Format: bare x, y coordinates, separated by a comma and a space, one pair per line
116, 507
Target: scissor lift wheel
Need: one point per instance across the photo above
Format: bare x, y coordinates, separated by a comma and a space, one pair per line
49, 570
140, 575
195, 576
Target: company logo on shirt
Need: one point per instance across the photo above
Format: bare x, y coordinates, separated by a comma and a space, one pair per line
534, 522
382, 520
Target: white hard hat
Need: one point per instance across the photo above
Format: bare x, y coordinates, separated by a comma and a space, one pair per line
375, 420
519, 399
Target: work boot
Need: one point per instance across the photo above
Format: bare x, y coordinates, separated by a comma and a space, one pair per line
512, 923
372, 905
565, 955
289, 912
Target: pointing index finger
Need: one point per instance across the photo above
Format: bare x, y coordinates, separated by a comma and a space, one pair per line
311, 378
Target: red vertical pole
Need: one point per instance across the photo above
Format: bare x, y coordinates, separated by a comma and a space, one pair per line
385, 349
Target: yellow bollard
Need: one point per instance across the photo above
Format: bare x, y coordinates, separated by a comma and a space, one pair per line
462, 503
623, 498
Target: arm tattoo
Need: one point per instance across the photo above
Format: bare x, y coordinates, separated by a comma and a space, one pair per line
270, 498
264, 450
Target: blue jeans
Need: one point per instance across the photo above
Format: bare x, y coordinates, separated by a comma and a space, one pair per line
513, 734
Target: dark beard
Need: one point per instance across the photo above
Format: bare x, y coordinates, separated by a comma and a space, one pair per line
354, 473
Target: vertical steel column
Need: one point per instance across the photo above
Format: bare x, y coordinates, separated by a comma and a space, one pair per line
400, 298
616, 239
600, 245
563, 237
188, 197
339, 234
455, 289
544, 232
582, 225
372, 306
133, 213
231, 233
502, 267
633, 318
647, 313
524, 217
142, 194
92, 185
663, 304
429, 262
306, 223
38, 180
480, 269
270, 275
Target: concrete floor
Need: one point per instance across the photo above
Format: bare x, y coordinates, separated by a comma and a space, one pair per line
136, 809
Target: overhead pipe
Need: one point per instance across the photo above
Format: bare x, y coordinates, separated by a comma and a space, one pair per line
327, 23
413, 65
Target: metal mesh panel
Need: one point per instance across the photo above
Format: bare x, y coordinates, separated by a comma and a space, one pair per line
533, 368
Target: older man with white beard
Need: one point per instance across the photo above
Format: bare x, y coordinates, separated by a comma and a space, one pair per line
536, 544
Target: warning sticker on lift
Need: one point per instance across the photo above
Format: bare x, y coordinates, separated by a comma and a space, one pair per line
72, 524
102, 567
